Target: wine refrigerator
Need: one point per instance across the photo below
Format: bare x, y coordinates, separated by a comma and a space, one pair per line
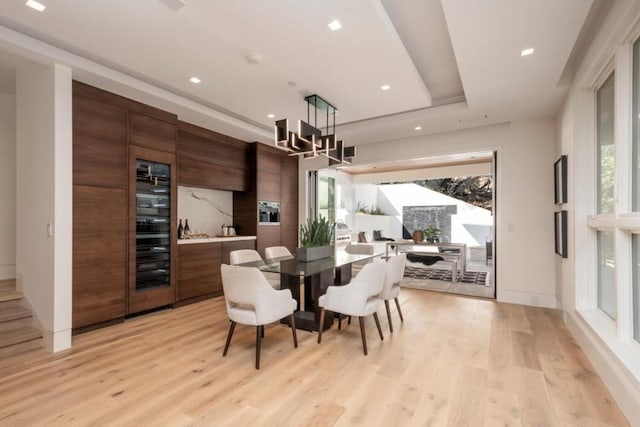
152, 246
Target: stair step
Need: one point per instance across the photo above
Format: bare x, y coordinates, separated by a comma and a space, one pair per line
21, 347
11, 295
12, 325
19, 336
8, 285
11, 310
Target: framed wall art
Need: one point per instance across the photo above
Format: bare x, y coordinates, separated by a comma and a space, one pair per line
560, 229
560, 180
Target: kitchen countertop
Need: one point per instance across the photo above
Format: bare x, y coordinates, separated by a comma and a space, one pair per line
215, 239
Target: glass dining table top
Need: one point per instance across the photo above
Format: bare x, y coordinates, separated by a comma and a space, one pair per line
293, 267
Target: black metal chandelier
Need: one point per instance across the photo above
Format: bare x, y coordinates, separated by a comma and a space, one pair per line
309, 140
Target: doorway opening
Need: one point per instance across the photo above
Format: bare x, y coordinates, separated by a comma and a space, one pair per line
449, 201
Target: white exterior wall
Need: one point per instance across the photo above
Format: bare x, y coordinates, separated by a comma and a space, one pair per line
470, 225
44, 197
7, 186
525, 257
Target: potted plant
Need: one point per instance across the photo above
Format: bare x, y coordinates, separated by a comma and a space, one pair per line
431, 234
315, 239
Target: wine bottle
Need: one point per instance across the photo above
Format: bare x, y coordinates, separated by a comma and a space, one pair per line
180, 230
187, 230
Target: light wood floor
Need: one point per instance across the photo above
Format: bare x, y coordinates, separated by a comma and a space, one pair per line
455, 361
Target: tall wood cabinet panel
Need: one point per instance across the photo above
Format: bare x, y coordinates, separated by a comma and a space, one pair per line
269, 162
99, 254
268, 235
99, 143
289, 203
99, 208
272, 167
210, 160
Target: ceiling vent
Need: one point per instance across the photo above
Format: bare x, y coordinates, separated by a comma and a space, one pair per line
173, 4
254, 59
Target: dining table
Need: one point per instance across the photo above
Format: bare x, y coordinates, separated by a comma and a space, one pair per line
316, 276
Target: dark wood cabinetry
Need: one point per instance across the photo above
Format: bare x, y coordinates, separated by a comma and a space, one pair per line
99, 254
199, 270
99, 209
289, 203
274, 179
106, 129
111, 133
99, 143
150, 132
199, 267
210, 160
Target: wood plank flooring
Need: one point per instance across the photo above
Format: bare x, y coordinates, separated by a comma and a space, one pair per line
454, 361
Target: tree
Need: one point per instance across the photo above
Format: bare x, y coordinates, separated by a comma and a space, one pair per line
475, 190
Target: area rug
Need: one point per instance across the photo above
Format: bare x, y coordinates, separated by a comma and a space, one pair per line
475, 277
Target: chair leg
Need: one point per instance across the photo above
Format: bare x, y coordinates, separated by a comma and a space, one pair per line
349, 322
398, 307
262, 332
375, 317
364, 337
386, 305
293, 330
339, 321
259, 331
232, 327
320, 326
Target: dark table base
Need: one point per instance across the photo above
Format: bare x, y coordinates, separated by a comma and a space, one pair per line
315, 286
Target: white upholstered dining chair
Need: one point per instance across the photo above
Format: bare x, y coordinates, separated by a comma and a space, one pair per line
359, 298
391, 288
251, 300
276, 252
240, 256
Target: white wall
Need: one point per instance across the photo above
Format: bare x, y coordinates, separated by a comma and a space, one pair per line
7, 186
44, 197
601, 343
524, 215
470, 225
207, 210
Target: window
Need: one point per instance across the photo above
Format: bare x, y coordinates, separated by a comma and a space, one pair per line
606, 274
635, 119
636, 286
326, 198
604, 121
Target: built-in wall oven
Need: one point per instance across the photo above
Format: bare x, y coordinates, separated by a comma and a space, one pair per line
268, 213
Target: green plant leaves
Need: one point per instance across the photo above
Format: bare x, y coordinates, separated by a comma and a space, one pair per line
316, 232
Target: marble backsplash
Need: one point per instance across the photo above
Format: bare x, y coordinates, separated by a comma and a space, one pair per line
207, 210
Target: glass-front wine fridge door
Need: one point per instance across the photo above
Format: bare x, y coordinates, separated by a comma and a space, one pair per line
153, 225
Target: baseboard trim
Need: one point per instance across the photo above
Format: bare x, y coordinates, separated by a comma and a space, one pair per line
527, 298
7, 272
618, 382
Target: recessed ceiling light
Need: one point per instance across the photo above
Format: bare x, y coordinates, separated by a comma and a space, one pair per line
271, 116
335, 25
418, 128
526, 52
385, 87
195, 80
33, 4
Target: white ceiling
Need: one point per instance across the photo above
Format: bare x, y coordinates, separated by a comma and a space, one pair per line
450, 63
